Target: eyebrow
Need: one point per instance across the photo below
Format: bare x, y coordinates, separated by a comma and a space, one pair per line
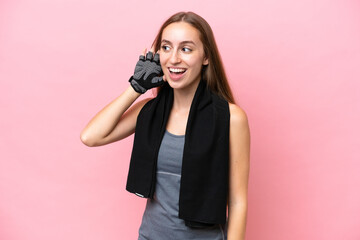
183, 42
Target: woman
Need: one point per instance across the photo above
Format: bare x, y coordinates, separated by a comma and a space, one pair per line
191, 150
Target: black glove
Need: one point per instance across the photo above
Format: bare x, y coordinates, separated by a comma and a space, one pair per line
148, 73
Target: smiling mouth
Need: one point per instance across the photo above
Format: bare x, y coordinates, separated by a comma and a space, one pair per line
177, 70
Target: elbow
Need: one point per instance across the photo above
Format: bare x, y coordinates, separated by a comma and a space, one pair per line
85, 140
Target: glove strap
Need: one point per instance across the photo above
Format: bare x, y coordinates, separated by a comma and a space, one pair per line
136, 86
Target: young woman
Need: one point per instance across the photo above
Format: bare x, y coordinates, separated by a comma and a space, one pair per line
191, 150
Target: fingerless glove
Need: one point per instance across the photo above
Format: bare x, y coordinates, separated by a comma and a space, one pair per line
148, 73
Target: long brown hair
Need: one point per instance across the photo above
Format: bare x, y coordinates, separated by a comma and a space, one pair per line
213, 73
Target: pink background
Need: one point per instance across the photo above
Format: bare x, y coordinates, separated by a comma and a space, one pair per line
294, 67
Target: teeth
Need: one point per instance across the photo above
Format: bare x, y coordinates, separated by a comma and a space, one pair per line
177, 70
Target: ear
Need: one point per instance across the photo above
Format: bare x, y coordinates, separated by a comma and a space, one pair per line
206, 61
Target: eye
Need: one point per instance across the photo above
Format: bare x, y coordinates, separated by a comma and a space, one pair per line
164, 47
187, 49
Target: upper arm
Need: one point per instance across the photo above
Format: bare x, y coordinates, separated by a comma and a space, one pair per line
239, 156
126, 125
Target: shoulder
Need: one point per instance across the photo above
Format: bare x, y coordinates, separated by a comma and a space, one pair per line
237, 113
238, 118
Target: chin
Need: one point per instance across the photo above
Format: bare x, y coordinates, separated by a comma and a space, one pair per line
180, 85
173, 84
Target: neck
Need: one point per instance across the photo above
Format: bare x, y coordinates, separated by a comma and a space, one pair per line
184, 97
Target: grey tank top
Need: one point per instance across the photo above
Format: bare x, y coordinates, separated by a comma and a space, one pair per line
160, 220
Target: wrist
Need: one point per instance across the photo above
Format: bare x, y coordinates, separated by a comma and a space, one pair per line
133, 92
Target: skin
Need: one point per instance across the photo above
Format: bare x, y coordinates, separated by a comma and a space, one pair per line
117, 120
238, 173
175, 53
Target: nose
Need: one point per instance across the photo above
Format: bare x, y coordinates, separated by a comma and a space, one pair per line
174, 58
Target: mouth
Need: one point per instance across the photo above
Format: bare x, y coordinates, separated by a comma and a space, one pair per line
176, 73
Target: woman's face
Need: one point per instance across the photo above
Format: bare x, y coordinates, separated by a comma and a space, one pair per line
181, 55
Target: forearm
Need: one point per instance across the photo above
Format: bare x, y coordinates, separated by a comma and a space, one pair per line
104, 121
237, 222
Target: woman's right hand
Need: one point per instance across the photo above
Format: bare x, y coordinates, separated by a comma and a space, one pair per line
148, 73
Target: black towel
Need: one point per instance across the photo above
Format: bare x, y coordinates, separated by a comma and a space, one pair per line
205, 167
